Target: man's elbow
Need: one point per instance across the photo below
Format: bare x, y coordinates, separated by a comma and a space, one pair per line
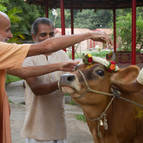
35, 90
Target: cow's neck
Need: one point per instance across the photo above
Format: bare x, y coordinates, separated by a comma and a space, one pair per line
116, 117
94, 111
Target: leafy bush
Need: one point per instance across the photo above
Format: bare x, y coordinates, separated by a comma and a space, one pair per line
124, 30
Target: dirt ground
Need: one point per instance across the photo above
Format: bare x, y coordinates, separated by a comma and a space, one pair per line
77, 131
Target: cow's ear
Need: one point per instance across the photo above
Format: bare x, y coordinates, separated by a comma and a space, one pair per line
125, 77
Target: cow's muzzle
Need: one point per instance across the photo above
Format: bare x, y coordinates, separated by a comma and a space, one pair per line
69, 83
66, 79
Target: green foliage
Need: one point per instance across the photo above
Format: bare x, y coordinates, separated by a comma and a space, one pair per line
18, 38
57, 19
2, 5
28, 14
3, 8
13, 15
93, 19
4, 1
139, 35
124, 30
84, 19
72, 102
22, 16
97, 54
81, 117
66, 94
124, 27
11, 78
100, 54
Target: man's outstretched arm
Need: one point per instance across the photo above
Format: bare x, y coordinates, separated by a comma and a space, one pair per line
58, 43
33, 71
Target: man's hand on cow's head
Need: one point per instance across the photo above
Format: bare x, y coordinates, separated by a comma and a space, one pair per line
68, 66
101, 37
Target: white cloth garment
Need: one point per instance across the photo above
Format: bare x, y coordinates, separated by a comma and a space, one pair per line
44, 119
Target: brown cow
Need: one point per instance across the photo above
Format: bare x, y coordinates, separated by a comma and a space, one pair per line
113, 113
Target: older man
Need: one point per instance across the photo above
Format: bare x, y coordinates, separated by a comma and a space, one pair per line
12, 55
42, 93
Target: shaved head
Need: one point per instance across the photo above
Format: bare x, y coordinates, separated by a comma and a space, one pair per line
5, 27
3, 15
4, 19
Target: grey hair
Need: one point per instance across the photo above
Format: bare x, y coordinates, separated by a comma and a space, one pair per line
41, 20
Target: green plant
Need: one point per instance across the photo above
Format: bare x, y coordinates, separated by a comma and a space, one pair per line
11, 78
124, 30
81, 117
72, 102
10, 101
66, 94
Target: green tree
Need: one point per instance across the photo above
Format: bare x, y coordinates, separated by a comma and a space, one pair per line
28, 14
93, 19
57, 19
2, 5
124, 27
22, 16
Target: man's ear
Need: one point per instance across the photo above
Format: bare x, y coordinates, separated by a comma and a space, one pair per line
125, 77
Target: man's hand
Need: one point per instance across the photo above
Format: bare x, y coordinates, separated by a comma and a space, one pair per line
101, 37
68, 66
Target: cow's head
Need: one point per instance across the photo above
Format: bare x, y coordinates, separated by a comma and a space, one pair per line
98, 77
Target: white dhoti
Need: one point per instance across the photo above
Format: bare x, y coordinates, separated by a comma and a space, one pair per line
35, 141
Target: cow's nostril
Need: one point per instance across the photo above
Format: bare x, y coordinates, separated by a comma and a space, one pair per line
71, 78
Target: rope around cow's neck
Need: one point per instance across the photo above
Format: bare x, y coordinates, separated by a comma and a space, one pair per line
115, 93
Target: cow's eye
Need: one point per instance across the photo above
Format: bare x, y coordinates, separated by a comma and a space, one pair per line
100, 72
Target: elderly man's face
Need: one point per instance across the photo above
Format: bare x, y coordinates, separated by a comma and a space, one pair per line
5, 29
44, 32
